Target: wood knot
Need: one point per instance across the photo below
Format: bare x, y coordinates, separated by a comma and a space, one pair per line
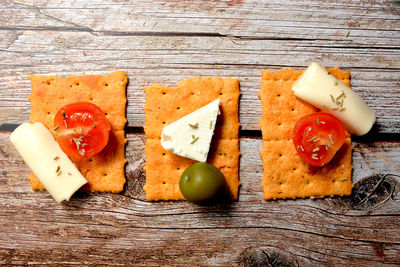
268, 257
135, 178
378, 248
373, 191
394, 7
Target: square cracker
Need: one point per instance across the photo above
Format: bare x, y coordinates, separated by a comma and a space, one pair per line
165, 105
104, 171
285, 173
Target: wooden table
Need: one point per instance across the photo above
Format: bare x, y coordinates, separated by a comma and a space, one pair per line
168, 41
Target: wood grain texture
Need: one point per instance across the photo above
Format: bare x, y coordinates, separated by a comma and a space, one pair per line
320, 231
166, 61
216, 39
168, 41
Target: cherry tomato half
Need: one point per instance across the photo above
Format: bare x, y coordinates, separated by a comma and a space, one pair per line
317, 137
82, 129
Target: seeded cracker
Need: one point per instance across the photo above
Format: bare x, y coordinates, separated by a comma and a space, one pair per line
165, 105
104, 171
286, 175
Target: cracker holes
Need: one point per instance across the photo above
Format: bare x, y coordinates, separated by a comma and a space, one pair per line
105, 174
48, 112
106, 114
91, 99
278, 95
178, 168
48, 82
77, 83
221, 93
164, 154
164, 93
280, 155
178, 108
163, 122
164, 183
90, 160
192, 93
106, 84
293, 109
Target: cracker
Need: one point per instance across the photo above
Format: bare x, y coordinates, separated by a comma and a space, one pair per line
104, 171
285, 173
165, 105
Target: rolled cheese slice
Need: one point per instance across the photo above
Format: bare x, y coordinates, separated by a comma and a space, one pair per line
321, 89
48, 162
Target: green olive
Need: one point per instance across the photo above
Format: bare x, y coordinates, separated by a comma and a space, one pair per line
203, 183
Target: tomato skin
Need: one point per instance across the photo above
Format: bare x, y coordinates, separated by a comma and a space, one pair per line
317, 137
82, 129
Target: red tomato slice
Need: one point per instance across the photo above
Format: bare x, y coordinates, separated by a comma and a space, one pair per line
317, 137
82, 129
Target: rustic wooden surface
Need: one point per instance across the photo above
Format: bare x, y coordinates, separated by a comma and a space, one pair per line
167, 41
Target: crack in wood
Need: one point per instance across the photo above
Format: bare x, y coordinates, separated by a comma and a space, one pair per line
39, 11
374, 136
395, 48
78, 28
45, 28
3, 153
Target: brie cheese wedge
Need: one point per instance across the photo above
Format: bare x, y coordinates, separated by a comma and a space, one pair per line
190, 136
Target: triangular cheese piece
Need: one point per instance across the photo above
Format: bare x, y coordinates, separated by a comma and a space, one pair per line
190, 136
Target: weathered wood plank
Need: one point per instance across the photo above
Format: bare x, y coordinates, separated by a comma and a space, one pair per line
176, 248
368, 160
128, 229
154, 59
167, 50
372, 23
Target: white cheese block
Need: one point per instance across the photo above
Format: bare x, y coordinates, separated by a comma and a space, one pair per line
48, 162
321, 89
190, 136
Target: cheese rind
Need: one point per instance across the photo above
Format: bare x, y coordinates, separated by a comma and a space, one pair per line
317, 87
190, 136
47, 161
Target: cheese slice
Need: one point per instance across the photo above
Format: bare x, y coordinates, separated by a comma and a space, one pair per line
190, 136
317, 87
47, 161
